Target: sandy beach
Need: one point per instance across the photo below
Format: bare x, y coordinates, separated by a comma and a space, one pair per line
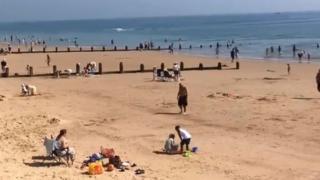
256, 123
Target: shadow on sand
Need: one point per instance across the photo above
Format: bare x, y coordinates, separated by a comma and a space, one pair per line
305, 98
167, 113
43, 161
164, 153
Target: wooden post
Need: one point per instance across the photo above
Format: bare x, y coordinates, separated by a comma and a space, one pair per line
126, 48
91, 48
121, 67
181, 66
103, 48
19, 50
159, 48
190, 47
44, 49
54, 69
141, 67
78, 68
100, 68
162, 66
200, 66
180, 47
30, 71
31, 50
115, 48
219, 65
56, 49
80, 49
237, 65
68, 49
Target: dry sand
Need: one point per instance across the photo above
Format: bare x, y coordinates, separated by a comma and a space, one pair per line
265, 129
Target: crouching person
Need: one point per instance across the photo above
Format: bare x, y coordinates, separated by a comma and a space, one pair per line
28, 90
170, 147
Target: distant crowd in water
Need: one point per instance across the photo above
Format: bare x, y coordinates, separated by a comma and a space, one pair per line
30, 42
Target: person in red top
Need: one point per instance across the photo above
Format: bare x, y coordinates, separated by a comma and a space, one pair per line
318, 80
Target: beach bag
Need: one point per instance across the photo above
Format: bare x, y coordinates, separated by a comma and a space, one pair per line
107, 152
96, 168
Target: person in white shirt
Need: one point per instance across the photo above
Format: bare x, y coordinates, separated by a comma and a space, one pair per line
185, 138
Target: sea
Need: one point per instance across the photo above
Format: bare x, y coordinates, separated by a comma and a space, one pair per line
252, 34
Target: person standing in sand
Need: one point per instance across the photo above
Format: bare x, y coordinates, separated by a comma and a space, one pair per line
318, 80
185, 138
288, 68
182, 98
48, 60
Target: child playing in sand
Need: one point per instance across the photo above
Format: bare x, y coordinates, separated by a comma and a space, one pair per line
170, 147
185, 138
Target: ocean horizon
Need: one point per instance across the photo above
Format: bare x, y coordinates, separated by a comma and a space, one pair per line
251, 33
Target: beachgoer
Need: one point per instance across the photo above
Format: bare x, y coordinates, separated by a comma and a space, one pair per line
48, 60
279, 49
271, 49
232, 54
318, 45
176, 71
185, 138
267, 52
3, 65
318, 80
170, 146
217, 52
236, 52
309, 56
294, 50
64, 148
288, 68
300, 55
182, 98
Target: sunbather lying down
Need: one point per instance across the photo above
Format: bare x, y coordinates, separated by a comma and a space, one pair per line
170, 147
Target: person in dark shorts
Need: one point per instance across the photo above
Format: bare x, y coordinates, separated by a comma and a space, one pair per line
318, 80
185, 138
182, 98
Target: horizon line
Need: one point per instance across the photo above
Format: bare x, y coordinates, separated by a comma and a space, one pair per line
160, 16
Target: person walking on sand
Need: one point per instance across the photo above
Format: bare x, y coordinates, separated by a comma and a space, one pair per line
48, 60
318, 80
182, 98
185, 138
288, 68
232, 54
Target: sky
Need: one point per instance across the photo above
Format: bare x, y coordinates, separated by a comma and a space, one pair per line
39, 10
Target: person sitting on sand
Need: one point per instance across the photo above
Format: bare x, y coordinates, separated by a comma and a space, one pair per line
170, 147
63, 146
185, 138
182, 98
28, 90
318, 80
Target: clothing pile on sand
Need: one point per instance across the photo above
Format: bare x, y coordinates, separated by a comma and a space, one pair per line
107, 160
